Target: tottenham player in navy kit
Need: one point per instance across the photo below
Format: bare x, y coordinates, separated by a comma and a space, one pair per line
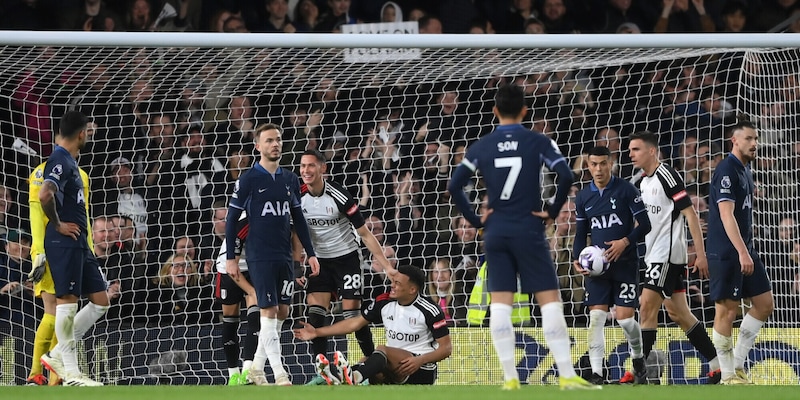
510, 160
417, 336
73, 266
611, 210
735, 268
271, 197
669, 210
334, 218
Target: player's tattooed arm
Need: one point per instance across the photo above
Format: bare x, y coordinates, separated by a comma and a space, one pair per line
47, 199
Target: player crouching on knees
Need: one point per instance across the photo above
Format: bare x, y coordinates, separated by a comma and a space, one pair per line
417, 337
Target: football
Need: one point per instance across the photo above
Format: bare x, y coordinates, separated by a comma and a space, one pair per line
593, 260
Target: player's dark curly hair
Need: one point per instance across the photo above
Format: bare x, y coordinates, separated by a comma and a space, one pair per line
414, 274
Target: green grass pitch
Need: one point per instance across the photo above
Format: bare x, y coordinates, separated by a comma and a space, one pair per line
614, 392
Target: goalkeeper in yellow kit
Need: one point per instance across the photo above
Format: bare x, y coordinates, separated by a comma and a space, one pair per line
44, 287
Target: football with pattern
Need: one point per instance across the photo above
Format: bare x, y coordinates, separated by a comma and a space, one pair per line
592, 259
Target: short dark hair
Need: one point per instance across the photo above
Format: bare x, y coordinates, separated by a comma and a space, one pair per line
509, 100
414, 274
647, 137
600, 151
72, 123
316, 153
266, 127
743, 124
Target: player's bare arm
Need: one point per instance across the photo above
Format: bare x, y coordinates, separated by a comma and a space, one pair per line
726, 209
343, 327
375, 248
411, 365
47, 199
701, 262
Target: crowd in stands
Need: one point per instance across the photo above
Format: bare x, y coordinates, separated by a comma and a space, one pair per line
445, 16
166, 150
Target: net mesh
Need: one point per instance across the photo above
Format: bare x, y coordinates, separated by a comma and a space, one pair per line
174, 127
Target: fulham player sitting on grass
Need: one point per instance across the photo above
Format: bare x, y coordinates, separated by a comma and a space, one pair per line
417, 336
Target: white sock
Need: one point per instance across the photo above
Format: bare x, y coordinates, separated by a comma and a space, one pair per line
503, 338
272, 345
748, 331
260, 357
65, 333
713, 365
246, 364
633, 332
597, 340
86, 318
724, 346
557, 338
233, 371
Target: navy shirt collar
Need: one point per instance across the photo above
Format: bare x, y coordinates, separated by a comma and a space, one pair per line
736, 161
260, 168
594, 187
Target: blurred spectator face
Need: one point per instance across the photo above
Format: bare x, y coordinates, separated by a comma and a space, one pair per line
307, 9
703, 156
277, 8
458, 154
554, 9
180, 268
219, 219
325, 90
389, 14
534, 27
195, 142
681, 5
127, 231
241, 108
608, 138
433, 26
464, 230
238, 162
18, 250
102, 233
786, 230
122, 176
375, 226
185, 247
234, 24
449, 102
567, 214
622, 5
162, 130
736, 20
219, 23
5, 200
441, 275
140, 14
390, 255
522, 5
298, 117
339, 7
98, 77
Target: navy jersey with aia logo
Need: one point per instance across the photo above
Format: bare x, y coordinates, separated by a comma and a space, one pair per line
608, 214
510, 160
732, 181
62, 169
269, 202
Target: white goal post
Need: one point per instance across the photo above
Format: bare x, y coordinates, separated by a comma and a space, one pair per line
174, 114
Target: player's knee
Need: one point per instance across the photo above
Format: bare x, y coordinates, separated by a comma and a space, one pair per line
316, 316
762, 310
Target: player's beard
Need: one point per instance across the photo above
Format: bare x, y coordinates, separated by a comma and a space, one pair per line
274, 158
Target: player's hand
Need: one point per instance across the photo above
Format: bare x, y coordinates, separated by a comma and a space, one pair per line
747, 263
615, 249
37, 272
544, 215
69, 229
701, 266
408, 366
11, 288
113, 290
314, 264
305, 332
579, 269
232, 268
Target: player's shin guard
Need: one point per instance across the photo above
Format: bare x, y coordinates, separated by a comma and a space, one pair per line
597, 340
230, 340
316, 317
699, 338
649, 339
503, 338
633, 332
557, 337
251, 340
41, 342
363, 335
748, 331
373, 365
